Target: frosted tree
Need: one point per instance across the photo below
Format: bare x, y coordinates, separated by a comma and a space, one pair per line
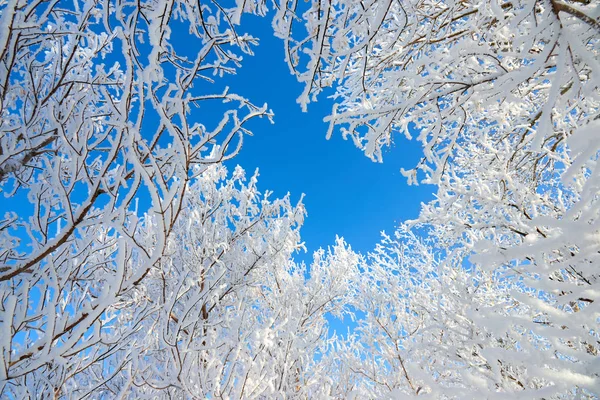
446, 69
102, 103
237, 317
227, 313
504, 97
434, 327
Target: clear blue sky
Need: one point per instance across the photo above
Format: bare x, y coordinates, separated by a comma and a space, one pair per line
346, 193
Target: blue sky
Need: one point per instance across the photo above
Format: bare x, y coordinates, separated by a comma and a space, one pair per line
346, 193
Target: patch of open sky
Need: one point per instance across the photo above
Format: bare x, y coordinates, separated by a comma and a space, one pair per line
346, 193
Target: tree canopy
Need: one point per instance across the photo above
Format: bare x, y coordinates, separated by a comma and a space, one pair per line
144, 269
